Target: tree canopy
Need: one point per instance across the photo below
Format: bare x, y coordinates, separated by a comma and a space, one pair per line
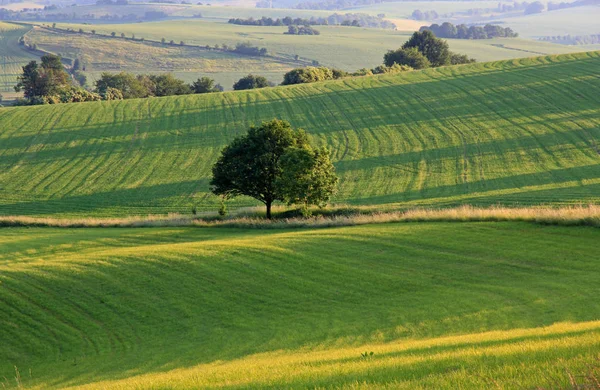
274, 162
251, 82
410, 57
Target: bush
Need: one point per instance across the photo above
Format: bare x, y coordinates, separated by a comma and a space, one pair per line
309, 74
411, 57
250, 82
395, 68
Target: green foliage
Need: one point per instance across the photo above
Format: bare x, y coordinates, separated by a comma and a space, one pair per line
435, 49
394, 69
250, 82
411, 57
44, 80
130, 86
205, 85
309, 74
168, 85
272, 163
456, 59
307, 176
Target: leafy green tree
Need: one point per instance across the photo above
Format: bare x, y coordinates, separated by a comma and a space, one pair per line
129, 85
48, 78
168, 85
435, 49
410, 57
205, 85
456, 59
309, 74
251, 82
274, 162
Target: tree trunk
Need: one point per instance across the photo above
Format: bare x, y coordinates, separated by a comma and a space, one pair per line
268, 203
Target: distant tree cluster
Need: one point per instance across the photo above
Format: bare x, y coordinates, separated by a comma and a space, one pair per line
111, 2
353, 19
251, 82
302, 30
50, 83
247, 48
461, 31
142, 86
334, 4
579, 3
266, 21
573, 39
534, 8
312, 74
424, 50
424, 15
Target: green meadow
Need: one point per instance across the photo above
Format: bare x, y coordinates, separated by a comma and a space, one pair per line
12, 57
348, 48
520, 132
440, 305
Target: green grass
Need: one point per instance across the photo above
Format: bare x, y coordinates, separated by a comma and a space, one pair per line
511, 132
348, 48
193, 307
12, 57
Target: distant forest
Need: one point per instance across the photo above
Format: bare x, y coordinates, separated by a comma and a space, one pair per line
362, 20
573, 39
462, 31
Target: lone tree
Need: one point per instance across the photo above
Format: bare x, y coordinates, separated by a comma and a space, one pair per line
275, 162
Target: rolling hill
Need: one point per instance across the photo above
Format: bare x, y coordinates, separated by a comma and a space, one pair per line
12, 57
513, 132
440, 305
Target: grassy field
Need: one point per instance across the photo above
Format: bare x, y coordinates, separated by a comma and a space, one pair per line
12, 57
510, 132
469, 305
100, 54
573, 21
348, 48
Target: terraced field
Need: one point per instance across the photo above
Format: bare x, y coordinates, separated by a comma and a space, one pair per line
511, 132
12, 57
469, 305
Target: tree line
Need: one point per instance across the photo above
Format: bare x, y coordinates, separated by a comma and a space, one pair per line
527, 8
51, 83
461, 31
334, 4
356, 19
592, 39
302, 30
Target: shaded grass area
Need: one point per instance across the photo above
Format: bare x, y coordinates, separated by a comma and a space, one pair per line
521, 132
186, 308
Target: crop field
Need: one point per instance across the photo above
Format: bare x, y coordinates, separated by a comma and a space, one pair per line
12, 57
348, 48
511, 132
440, 305
100, 54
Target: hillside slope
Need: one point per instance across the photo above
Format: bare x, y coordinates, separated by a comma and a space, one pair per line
522, 131
167, 308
